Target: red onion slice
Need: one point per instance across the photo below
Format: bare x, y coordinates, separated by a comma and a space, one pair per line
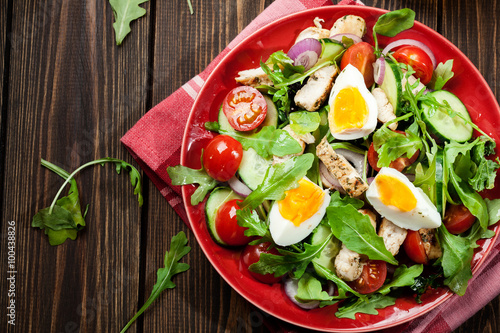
379, 70
305, 53
239, 187
338, 38
291, 286
411, 42
356, 159
328, 179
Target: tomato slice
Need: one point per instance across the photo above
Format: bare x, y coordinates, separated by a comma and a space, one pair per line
418, 60
245, 108
226, 225
458, 219
399, 163
414, 247
361, 56
222, 157
251, 254
372, 277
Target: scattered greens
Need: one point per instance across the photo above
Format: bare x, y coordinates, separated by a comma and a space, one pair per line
442, 74
357, 305
403, 277
125, 11
63, 218
178, 249
181, 175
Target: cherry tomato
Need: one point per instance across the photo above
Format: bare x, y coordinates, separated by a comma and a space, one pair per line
418, 60
251, 254
372, 277
245, 108
226, 225
362, 57
414, 247
399, 163
222, 157
458, 219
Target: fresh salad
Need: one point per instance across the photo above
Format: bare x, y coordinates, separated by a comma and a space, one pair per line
346, 172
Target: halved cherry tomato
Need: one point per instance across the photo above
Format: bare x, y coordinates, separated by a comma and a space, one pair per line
399, 163
226, 225
222, 157
372, 277
458, 219
414, 247
251, 254
245, 108
361, 56
418, 60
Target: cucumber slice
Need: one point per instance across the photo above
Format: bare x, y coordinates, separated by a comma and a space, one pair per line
440, 183
327, 256
223, 122
441, 124
253, 168
331, 49
392, 85
218, 196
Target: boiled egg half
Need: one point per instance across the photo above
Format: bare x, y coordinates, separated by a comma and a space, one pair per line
393, 196
353, 109
294, 218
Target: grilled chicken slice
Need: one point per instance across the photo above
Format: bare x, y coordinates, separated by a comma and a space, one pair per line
385, 109
393, 235
315, 92
431, 245
349, 24
338, 166
253, 77
316, 32
301, 139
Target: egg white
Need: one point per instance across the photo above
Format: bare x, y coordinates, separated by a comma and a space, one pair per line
352, 77
424, 215
285, 233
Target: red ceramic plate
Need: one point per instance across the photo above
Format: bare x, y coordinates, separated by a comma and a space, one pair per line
468, 84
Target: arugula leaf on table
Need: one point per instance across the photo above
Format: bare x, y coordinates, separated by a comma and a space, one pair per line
267, 142
390, 145
178, 249
255, 226
375, 301
403, 277
303, 122
493, 210
356, 232
279, 178
182, 175
125, 11
63, 218
310, 289
442, 74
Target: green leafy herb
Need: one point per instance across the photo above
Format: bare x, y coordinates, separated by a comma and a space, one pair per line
310, 289
178, 249
302, 122
422, 283
213, 126
376, 301
336, 200
279, 178
342, 286
125, 11
356, 232
403, 277
392, 23
63, 218
182, 175
493, 210
267, 142
485, 172
442, 74
256, 227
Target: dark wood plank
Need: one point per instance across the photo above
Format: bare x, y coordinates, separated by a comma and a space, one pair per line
72, 94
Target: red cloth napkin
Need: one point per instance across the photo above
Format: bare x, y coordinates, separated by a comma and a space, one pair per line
155, 143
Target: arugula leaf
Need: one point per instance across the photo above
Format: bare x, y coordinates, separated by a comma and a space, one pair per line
178, 249
125, 11
392, 23
213, 126
182, 175
390, 145
423, 282
493, 210
268, 141
63, 218
375, 301
442, 74
336, 200
310, 289
288, 261
302, 122
342, 286
486, 169
403, 276
279, 178
356, 232
256, 227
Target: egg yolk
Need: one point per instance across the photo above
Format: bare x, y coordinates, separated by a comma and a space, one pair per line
394, 192
350, 110
301, 203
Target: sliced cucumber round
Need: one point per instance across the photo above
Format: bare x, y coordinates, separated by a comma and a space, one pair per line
327, 256
223, 122
392, 85
441, 124
218, 197
331, 49
253, 168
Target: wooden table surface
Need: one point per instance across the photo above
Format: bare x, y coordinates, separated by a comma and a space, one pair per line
68, 94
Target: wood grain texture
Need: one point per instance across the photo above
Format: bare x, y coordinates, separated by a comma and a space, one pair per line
71, 95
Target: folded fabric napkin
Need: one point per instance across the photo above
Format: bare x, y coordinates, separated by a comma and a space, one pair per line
155, 143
